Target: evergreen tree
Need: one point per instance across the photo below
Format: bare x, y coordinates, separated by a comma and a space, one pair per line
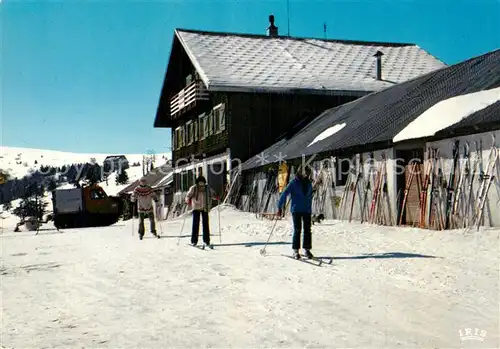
93, 174
122, 177
7, 206
32, 204
51, 184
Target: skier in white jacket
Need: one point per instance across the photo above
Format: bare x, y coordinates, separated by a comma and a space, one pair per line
199, 197
144, 195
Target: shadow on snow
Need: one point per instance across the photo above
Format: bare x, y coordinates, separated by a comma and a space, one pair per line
382, 256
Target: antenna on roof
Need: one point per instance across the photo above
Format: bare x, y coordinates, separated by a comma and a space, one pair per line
324, 29
288, 15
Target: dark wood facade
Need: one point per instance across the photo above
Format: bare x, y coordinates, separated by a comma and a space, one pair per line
250, 123
203, 145
253, 122
259, 120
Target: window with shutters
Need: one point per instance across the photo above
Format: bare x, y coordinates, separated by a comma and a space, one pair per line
182, 136
195, 130
189, 131
177, 138
219, 118
174, 139
222, 118
211, 123
215, 121
203, 126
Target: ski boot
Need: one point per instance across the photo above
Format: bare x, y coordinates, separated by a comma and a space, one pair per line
155, 234
308, 254
296, 254
141, 236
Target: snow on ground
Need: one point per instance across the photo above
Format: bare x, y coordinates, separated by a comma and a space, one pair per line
18, 161
386, 288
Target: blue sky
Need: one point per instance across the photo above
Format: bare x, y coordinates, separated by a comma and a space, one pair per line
85, 76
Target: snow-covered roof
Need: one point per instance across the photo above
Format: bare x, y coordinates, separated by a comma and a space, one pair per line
157, 178
446, 113
166, 180
378, 117
253, 63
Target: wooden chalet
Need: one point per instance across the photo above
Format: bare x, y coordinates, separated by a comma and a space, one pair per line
228, 96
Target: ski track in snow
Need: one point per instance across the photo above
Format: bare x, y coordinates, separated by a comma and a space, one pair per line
102, 287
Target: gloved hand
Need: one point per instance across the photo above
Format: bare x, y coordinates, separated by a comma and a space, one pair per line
217, 198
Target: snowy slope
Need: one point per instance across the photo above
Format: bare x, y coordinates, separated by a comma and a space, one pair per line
18, 161
111, 188
387, 288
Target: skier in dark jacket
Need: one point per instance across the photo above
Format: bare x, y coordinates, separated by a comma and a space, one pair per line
301, 191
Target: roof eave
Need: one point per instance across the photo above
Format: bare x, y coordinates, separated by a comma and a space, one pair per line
298, 38
160, 121
193, 59
287, 90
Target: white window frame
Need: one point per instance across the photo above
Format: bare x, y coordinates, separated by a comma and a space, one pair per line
177, 138
220, 117
211, 124
174, 139
189, 133
215, 121
203, 121
182, 134
195, 130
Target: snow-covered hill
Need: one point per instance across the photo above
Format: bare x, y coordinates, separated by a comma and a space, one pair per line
19, 161
387, 287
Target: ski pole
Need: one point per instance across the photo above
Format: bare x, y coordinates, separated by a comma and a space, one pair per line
263, 250
133, 217
220, 230
182, 228
159, 224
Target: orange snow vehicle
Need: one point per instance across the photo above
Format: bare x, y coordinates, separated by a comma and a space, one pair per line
85, 207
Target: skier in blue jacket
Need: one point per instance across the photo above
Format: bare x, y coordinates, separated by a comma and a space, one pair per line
301, 191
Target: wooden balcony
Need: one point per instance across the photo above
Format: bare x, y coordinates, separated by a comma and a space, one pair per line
207, 147
187, 98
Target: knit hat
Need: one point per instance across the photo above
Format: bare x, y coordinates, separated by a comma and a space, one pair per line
304, 171
201, 179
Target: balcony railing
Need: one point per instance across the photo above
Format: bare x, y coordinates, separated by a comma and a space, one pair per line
186, 97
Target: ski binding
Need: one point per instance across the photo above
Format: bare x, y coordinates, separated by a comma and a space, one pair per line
306, 260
